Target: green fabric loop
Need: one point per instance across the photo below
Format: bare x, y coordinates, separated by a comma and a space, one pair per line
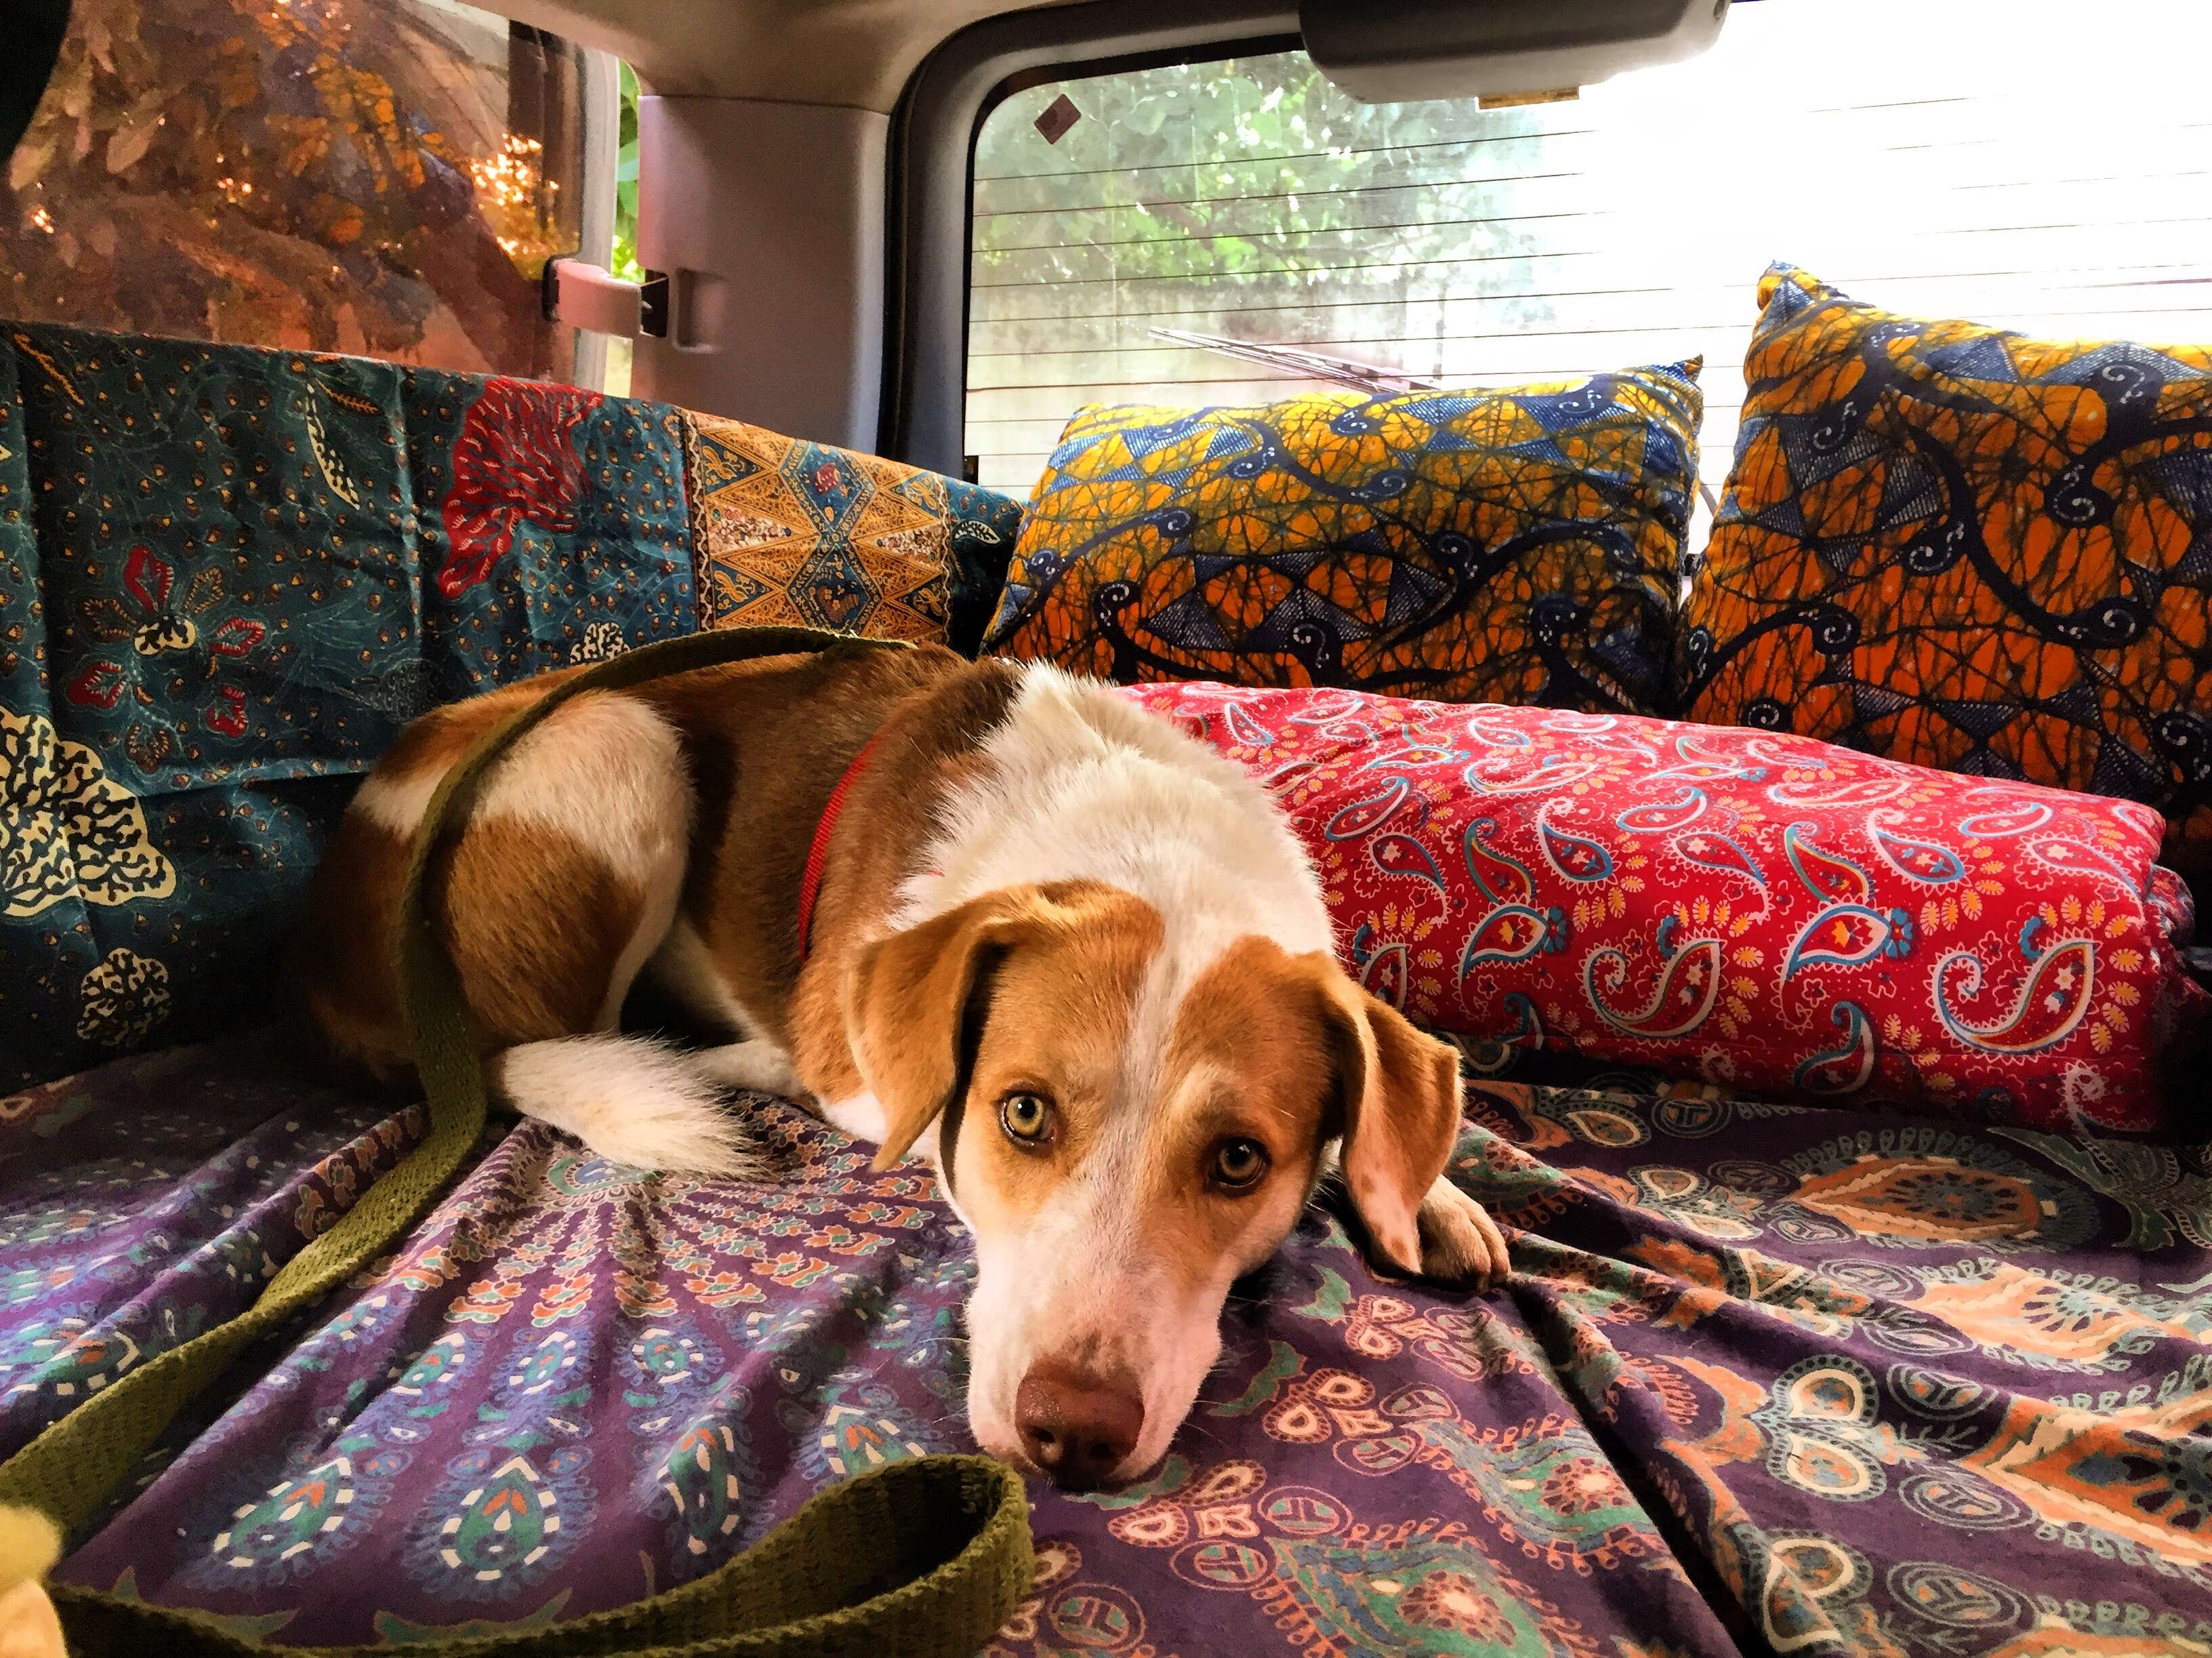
860, 1572
924, 1558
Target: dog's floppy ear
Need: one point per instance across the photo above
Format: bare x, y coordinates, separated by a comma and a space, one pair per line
907, 1005
1401, 1113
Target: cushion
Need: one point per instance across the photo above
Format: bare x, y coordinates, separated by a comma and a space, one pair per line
1517, 545
787, 533
227, 577
1950, 544
1743, 907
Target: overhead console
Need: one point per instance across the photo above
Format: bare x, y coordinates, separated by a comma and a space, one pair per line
1388, 51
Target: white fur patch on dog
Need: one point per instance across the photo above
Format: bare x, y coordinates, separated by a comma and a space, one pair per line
1081, 784
605, 770
759, 1064
631, 1100
396, 800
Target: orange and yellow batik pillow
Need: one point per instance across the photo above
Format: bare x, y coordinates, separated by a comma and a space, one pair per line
787, 533
1950, 544
1514, 545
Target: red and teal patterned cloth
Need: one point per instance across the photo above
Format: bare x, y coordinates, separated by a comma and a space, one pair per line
1765, 1379
228, 576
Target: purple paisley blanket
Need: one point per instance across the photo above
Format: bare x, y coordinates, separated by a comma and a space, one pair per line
1792, 1381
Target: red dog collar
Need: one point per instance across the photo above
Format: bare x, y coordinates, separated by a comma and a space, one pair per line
818, 854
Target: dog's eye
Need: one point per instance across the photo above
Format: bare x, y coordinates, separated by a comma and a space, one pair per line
1027, 1119
1238, 1164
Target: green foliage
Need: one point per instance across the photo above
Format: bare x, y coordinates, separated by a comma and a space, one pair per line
624, 264
1251, 190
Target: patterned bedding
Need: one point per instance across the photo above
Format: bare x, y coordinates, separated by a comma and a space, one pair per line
1779, 1379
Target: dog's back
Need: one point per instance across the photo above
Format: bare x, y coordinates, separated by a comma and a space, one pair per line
566, 877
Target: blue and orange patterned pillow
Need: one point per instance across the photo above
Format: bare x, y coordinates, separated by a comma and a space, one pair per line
1515, 546
1947, 544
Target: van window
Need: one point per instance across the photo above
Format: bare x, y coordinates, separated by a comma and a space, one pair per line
384, 177
1986, 159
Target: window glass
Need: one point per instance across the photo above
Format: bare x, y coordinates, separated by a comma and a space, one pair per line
621, 353
2020, 162
386, 177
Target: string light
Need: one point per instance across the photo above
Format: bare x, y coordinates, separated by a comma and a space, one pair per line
510, 178
510, 188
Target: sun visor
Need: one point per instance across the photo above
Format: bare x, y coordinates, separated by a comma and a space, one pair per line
1386, 52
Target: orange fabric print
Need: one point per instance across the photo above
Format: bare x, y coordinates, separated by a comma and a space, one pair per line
1519, 545
1945, 544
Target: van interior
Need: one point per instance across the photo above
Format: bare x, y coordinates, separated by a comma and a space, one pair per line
1699, 512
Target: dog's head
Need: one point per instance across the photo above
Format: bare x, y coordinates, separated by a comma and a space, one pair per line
1129, 1119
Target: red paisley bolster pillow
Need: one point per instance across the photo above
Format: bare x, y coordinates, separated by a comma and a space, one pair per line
1755, 909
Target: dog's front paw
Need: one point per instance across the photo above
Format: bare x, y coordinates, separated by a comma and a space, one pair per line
1461, 1244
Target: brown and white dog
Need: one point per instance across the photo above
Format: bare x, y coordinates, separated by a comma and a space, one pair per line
1060, 948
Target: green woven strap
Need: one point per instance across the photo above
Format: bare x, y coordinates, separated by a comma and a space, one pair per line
921, 1559
940, 1546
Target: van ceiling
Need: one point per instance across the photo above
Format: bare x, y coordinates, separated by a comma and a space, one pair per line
854, 52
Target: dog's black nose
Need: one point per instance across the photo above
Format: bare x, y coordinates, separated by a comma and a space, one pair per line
1077, 1427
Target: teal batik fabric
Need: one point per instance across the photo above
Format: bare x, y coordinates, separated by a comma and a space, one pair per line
227, 577
985, 526
552, 527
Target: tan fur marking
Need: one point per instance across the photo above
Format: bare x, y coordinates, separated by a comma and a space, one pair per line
1062, 961
546, 922
929, 747
537, 926
1401, 1111
1056, 1023
1247, 1059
